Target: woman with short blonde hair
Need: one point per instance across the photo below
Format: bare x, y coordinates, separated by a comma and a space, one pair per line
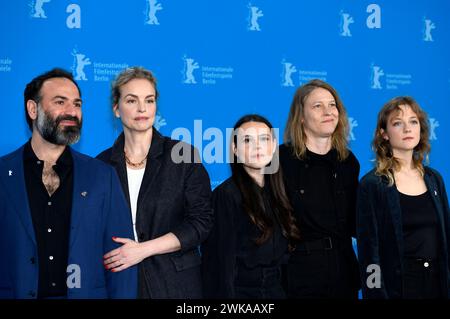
169, 199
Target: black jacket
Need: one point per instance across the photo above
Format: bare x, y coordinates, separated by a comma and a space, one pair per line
230, 245
344, 185
173, 198
380, 236
344, 188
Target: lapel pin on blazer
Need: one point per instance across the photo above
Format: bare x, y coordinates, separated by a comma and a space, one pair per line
84, 194
10, 173
435, 193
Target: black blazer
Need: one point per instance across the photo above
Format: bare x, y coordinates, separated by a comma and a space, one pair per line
173, 198
220, 248
380, 236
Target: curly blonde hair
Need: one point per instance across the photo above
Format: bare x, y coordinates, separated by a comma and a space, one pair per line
294, 132
386, 163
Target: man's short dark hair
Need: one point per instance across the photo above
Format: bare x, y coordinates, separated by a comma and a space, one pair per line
33, 89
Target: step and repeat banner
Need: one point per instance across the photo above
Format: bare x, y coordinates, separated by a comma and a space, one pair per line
216, 60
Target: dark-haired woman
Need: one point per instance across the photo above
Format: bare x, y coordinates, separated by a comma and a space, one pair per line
403, 213
253, 225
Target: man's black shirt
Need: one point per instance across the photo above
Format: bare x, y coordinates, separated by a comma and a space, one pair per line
51, 220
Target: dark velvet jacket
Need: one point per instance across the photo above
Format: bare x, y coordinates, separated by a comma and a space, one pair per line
380, 236
174, 197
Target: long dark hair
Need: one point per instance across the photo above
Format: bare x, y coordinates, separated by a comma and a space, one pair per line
252, 200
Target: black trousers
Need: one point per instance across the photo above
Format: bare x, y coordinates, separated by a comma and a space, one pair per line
421, 279
259, 283
330, 273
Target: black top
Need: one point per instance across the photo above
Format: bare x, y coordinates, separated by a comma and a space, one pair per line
319, 218
322, 191
51, 220
230, 247
248, 253
420, 226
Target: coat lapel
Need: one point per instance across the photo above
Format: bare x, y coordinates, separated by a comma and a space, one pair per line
151, 169
433, 189
118, 161
393, 202
81, 189
14, 181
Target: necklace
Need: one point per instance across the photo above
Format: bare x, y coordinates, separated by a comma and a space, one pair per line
134, 165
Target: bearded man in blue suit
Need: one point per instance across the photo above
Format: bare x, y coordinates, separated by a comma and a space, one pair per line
59, 209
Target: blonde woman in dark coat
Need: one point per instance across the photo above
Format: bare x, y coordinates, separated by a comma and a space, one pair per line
168, 193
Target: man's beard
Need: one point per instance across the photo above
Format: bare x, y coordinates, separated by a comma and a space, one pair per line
52, 133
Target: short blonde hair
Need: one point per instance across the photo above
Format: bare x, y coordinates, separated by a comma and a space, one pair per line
135, 72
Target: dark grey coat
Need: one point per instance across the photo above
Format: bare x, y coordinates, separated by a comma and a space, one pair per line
173, 198
380, 236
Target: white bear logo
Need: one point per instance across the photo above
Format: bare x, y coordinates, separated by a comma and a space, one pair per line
255, 14
153, 7
80, 61
189, 66
346, 20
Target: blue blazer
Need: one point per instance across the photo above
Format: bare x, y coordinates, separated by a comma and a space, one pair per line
380, 235
99, 212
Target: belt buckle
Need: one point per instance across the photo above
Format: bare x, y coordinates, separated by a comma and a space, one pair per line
328, 243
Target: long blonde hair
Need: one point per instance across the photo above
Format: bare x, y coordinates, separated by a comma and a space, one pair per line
386, 163
294, 132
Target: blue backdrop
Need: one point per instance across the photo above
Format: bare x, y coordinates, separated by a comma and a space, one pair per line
216, 60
